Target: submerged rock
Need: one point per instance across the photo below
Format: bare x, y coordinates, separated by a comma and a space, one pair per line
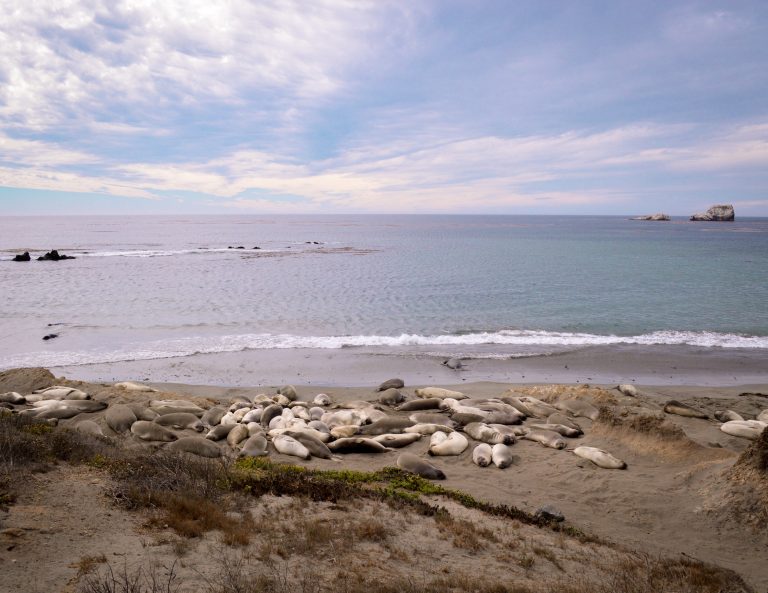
720, 212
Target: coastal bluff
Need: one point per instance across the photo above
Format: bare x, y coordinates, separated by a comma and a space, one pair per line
720, 213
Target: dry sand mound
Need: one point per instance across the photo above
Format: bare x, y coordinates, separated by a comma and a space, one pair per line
26, 381
555, 393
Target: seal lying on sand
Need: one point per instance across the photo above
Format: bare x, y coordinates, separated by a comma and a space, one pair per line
439, 393
196, 446
219, 432
728, 415
255, 446
547, 438
441, 443
120, 417
600, 457
149, 431
60, 392
180, 420
627, 389
290, 446
487, 434
391, 384
416, 465
389, 425
391, 397
746, 429
430, 403
12, 397
578, 408
130, 386
395, 441
560, 429
502, 456
482, 455
681, 409
357, 445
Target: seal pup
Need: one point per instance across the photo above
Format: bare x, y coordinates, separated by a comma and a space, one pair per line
120, 417
396, 441
439, 393
391, 397
357, 445
131, 386
416, 465
196, 446
255, 446
11, 397
484, 433
219, 432
388, 425
728, 415
453, 363
547, 438
627, 389
150, 431
430, 403
180, 420
290, 446
502, 456
237, 435
578, 408
560, 429
391, 384
482, 455
681, 409
599, 457
454, 443
322, 399
746, 429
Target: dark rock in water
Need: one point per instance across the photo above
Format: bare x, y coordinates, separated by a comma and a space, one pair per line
720, 213
23, 257
257, 247
550, 513
391, 384
453, 363
50, 336
658, 217
54, 255
239, 247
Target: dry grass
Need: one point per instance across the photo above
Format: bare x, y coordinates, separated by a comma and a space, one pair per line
87, 564
464, 534
151, 579
554, 393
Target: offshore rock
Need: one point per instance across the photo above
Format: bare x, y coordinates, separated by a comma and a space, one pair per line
720, 212
23, 257
659, 216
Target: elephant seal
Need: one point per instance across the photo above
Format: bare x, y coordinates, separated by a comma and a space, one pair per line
454, 443
281, 400
143, 412
237, 435
486, 434
271, 411
212, 416
195, 446
322, 399
391, 397
344, 431
515, 402
171, 406
600, 458
426, 418
453, 363
426, 429
315, 413
288, 391
547, 438
61, 392
391, 384
439, 393
357, 445
563, 420
150, 431
746, 429
515, 431
180, 420
120, 417
430, 403
391, 424
681, 409
253, 416
11, 397
578, 408
255, 446
290, 446
315, 446
319, 426
728, 415
89, 427
219, 432
130, 386
396, 441
482, 455
627, 389
502, 456
762, 416
464, 418
560, 429
416, 465
537, 407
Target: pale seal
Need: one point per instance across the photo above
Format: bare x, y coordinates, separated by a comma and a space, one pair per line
426, 429
357, 445
482, 455
149, 431
322, 399
427, 418
195, 446
180, 420
502, 456
453, 363
61, 392
290, 446
762, 416
288, 391
746, 429
237, 435
728, 415
130, 386
344, 431
252, 416
396, 441
219, 432
255, 446
11, 397
454, 443
547, 438
316, 413
627, 389
681, 409
416, 465
599, 457
486, 434
391, 384
515, 431
430, 403
439, 393
315, 446
391, 397
120, 417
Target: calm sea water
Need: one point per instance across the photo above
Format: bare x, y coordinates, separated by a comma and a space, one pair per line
494, 286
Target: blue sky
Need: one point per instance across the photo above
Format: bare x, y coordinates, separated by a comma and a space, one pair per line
474, 106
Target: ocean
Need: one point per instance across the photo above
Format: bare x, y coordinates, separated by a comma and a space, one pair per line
154, 287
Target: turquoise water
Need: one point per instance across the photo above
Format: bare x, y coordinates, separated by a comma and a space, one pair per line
152, 287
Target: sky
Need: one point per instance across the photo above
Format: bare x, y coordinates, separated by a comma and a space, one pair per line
356, 106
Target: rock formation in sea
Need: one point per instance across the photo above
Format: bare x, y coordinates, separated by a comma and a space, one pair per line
720, 212
23, 257
54, 255
657, 216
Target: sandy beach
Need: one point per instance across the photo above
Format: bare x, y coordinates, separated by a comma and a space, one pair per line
680, 496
